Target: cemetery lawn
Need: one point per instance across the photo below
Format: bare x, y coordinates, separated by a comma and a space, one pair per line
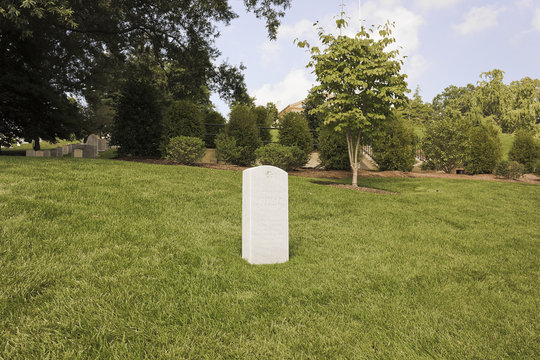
109, 259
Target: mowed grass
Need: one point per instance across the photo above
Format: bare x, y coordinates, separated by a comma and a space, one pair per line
110, 259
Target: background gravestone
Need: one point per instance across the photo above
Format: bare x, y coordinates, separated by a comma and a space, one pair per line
30, 153
77, 153
265, 215
92, 140
46, 153
103, 144
66, 149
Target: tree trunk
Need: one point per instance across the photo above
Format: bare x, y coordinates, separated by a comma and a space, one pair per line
36, 144
353, 145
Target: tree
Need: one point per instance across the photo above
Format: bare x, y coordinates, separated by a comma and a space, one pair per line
445, 141
294, 132
525, 150
395, 146
137, 127
484, 148
416, 111
360, 81
67, 44
183, 118
241, 137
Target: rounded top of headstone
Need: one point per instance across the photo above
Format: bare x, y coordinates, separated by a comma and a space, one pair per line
268, 170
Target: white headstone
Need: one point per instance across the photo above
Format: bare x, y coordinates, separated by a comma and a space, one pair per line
30, 153
77, 153
265, 215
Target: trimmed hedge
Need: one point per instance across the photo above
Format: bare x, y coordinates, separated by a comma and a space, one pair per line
185, 149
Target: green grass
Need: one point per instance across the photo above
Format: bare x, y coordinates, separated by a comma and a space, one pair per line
44, 145
110, 259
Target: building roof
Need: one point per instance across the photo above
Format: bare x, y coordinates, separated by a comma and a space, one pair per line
295, 107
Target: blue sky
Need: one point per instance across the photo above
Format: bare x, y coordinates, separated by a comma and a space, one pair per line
447, 42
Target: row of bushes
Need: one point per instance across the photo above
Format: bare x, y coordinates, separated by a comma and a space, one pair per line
454, 141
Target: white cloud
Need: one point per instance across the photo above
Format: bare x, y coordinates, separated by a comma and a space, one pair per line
435, 4
293, 88
414, 67
479, 19
536, 19
407, 23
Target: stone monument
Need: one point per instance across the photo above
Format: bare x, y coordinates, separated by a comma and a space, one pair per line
30, 153
77, 153
265, 215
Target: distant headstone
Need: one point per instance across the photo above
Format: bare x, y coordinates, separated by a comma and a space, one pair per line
30, 153
39, 153
103, 144
66, 149
59, 151
265, 215
77, 153
92, 140
90, 151
46, 153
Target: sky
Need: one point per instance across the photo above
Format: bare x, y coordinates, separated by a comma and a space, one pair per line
444, 42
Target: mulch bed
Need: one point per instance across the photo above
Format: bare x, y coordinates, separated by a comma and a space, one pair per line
343, 174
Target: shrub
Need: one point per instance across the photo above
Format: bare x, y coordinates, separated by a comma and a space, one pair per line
525, 149
294, 131
182, 118
333, 151
137, 126
263, 120
509, 170
284, 157
240, 139
484, 149
395, 147
445, 141
212, 122
226, 149
185, 149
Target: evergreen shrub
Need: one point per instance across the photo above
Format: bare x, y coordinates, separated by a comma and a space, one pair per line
294, 131
525, 150
333, 151
283, 157
395, 147
185, 149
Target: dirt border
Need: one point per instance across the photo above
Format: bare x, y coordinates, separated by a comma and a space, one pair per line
343, 174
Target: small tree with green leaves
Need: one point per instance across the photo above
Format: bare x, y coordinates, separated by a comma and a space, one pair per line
360, 81
525, 150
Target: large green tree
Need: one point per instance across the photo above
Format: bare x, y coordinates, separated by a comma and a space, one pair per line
360, 82
68, 44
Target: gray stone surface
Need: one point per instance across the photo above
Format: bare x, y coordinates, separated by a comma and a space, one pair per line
93, 140
77, 153
30, 153
103, 144
46, 153
39, 153
66, 149
265, 215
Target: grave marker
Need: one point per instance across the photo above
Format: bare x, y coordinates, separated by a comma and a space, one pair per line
77, 153
30, 153
265, 215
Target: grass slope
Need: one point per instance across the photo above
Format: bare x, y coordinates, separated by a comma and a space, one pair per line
108, 259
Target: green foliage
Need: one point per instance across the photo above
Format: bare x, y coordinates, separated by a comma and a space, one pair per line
213, 119
415, 111
395, 146
183, 118
185, 149
226, 149
315, 120
509, 170
138, 122
294, 131
525, 149
263, 120
445, 141
241, 137
333, 149
484, 149
360, 81
284, 157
